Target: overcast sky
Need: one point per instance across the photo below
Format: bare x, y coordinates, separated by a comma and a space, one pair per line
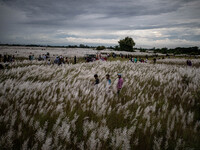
151, 23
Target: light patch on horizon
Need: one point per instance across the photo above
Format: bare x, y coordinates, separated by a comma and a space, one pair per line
91, 40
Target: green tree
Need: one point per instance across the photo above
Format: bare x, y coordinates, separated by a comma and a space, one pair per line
100, 48
116, 48
82, 46
126, 44
164, 50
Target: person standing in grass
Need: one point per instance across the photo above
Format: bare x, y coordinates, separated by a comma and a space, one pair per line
96, 79
66, 60
49, 62
132, 59
120, 83
108, 85
135, 60
74, 59
154, 60
108, 80
189, 63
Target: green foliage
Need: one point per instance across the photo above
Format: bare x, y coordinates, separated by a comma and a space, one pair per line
84, 46
164, 50
117, 48
100, 48
126, 44
143, 50
179, 50
110, 47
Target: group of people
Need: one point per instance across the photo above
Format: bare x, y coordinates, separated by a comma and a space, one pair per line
62, 60
119, 83
58, 59
31, 57
7, 58
135, 60
44, 57
40, 58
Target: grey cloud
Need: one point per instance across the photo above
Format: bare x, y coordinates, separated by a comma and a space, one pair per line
27, 17
67, 9
50, 11
183, 25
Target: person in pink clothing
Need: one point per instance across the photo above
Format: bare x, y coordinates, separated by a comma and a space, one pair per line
120, 83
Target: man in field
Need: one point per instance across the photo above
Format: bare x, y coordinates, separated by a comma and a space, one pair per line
74, 59
154, 60
96, 79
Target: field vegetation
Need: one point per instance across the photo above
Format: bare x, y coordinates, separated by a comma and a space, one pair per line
59, 107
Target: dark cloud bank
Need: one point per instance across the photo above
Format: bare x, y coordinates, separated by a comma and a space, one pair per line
153, 23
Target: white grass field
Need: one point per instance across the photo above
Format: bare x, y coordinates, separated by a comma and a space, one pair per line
58, 107
21, 51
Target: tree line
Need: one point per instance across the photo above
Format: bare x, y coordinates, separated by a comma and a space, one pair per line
179, 50
125, 44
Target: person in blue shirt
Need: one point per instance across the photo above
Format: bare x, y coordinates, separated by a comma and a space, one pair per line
108, 79
135, 59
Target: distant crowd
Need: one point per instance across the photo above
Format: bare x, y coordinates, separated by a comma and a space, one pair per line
7, 58
59, 60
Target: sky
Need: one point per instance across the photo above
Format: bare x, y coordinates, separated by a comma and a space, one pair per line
151, 23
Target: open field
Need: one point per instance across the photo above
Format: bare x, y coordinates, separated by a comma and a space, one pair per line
58, 107
22, 51
181, 62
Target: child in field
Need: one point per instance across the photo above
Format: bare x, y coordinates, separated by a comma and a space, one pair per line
120, 83
49, 62
108, 80
108, 84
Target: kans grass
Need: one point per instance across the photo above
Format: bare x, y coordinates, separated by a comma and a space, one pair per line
58, 107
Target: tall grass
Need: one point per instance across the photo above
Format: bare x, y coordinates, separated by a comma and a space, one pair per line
59, 107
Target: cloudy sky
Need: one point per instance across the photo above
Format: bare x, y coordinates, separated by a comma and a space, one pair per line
151, 23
